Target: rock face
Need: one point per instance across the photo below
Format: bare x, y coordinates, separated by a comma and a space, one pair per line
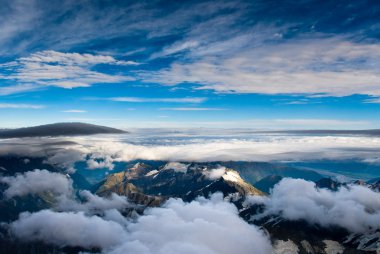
328, 183
118, 183
150, 186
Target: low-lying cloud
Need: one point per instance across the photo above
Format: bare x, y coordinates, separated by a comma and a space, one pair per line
36, 181
355, 208
208, 226
102, 152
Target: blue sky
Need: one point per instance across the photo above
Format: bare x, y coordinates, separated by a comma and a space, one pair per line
250, 64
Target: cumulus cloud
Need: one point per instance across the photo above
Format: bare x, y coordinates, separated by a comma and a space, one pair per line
215, 173
355, 208
36, 181
68, 229
91, 203
207, 226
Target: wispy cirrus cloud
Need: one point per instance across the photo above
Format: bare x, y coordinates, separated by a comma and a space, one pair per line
20, 106
193, 109
169, 100
65, 70
74, 111
289, 67
375, 100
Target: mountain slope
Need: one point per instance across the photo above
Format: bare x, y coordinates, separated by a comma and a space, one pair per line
186, 181
59, 129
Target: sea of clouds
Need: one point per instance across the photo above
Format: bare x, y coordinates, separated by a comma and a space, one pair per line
355, 208
209, 226
101, 152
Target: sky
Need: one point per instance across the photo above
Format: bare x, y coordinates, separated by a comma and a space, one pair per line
226, 64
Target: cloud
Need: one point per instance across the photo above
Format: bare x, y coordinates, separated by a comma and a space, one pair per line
100, 161
375, 100
36, 181
173, 100
20, 106
193, 109
215, 173
19, 88
355, 208
235, 145
207, 226
263, 148
91, 203
74, 111
288, 67
65, 70
68, 229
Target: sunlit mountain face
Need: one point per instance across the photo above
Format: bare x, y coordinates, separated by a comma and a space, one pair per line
212, 127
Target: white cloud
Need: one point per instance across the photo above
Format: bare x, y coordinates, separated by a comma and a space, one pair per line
74, 111
65, 70
355, 208
295, 67
173, 100
215, 173
193, 109
91, 204
68, 229
263, 148
20, 106
202, 226
36, 181
102, 152
70, 59
373, 100
19, 88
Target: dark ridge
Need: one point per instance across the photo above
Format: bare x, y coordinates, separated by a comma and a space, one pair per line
59, 129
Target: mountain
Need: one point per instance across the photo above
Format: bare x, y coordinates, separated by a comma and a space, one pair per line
59, 129
150, 186
255, 171
267, 183
328, 183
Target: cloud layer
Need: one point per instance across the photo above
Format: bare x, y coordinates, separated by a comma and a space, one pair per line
355, 208
36, 181
102, 152
203, 226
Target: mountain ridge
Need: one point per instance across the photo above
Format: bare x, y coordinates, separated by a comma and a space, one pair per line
59, 129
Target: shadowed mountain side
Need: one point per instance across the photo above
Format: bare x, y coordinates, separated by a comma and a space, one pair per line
59, 129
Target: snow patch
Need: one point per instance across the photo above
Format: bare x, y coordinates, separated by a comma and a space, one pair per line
285, 247
153, 172
333, 247
232, 176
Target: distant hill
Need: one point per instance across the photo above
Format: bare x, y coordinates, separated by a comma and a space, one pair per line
59, 129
